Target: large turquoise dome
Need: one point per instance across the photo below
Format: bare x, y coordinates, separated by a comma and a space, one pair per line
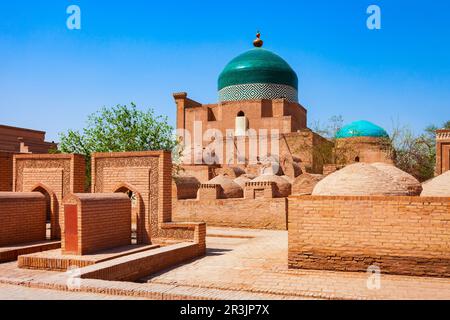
361, 129
258, 74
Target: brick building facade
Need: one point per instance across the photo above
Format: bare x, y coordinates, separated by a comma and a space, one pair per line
442, 151
55, 176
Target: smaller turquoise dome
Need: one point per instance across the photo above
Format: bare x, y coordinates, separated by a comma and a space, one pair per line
361, 129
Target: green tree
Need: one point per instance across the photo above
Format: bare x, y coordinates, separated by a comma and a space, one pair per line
119, 129
416, 154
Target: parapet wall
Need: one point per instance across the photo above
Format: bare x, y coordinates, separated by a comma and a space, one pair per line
22, 218
402, 235
264, 213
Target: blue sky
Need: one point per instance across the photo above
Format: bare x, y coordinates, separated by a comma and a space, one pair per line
51, 78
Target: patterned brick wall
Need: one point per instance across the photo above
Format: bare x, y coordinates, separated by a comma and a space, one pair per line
235, 213
442, 151
149, 175
22, 218
103, 222
402, 235
6, 171
57, 175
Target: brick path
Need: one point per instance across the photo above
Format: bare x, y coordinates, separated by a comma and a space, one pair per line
241, 264
259, 264
12, 292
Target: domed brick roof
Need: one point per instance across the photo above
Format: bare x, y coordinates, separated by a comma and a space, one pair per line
363, 179
230, 188
438, 186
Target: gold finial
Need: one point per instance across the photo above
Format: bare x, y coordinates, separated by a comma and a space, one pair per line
258, 43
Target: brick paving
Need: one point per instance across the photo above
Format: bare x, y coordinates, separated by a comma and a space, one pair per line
13, 292
240, 264
259, 264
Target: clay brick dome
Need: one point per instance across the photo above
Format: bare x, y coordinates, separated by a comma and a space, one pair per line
305, 183
437, 187
363, 179
401, 177
283, 187
230, 188
242, 180
185, 187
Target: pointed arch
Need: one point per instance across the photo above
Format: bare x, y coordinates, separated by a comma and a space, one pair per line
52, 208
138, 210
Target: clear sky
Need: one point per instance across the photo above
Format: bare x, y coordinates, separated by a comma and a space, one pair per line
51, 77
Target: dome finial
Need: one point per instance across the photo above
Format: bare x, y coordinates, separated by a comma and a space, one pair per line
258, 43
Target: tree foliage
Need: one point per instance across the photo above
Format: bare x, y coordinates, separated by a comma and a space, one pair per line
119, 129
416, 154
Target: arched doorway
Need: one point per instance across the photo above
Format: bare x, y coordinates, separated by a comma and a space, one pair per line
137, 216
241, 125
51, 211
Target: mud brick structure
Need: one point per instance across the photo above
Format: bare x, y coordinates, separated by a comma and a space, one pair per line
234, 213
96, 222
258, 190
148, 176
22, 218
20, 140
6, 171
55, 176
401, 235
442, 151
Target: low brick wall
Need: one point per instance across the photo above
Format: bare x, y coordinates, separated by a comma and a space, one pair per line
402, 235
140, 265
22, 218
235, 213
95, 222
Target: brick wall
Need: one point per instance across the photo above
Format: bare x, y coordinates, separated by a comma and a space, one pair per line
55, 174
235, 213
442, 151
22, 218
103, 222
15, 140
6, 171
139, 265
149, 175
402, 235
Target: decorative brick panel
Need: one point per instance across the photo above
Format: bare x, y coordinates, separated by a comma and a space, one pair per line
442, 151
55, 174
149, 175
402, 235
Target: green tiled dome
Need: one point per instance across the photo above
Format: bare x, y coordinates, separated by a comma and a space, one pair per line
258, 66
361, 129
258, 74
